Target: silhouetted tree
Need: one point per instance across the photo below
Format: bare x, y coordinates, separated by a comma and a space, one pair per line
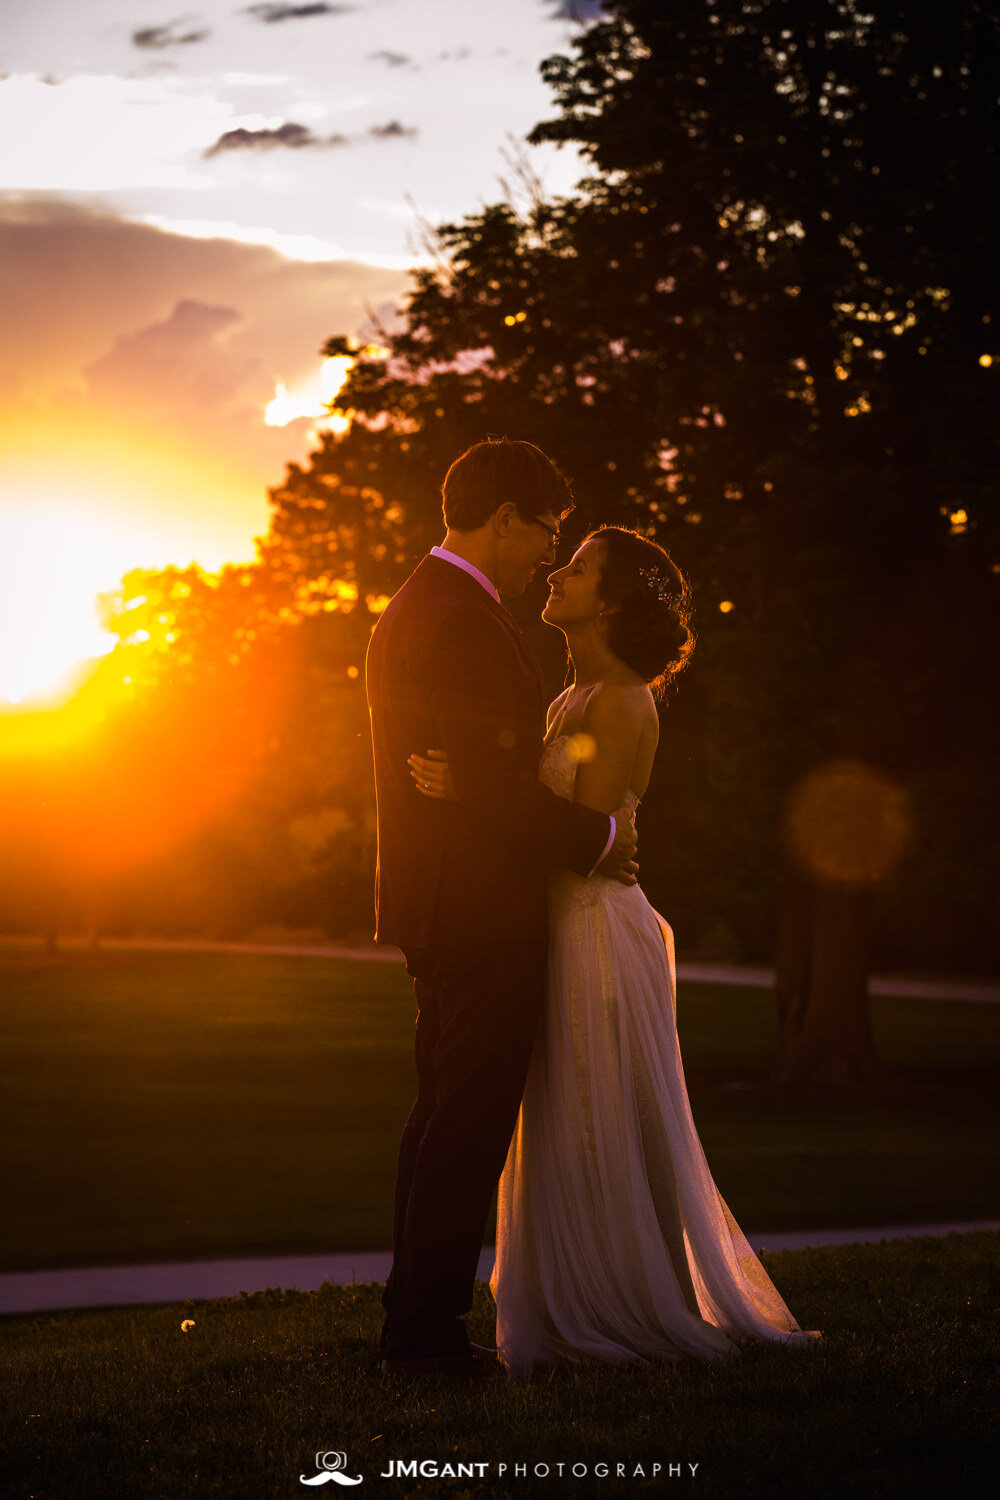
763, 328
249, 744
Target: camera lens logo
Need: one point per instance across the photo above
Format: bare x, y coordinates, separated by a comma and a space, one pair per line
331, 1467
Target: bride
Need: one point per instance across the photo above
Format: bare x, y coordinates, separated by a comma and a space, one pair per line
613, 1242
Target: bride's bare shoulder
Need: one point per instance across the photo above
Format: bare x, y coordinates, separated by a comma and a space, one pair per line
628, 699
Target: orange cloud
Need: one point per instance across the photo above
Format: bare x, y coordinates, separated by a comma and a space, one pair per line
140, 367
125, 335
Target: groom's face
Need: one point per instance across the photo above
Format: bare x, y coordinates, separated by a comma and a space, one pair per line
526, 546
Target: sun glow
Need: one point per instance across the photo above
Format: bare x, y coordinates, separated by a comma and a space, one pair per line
310, 398
55, 566
84, 502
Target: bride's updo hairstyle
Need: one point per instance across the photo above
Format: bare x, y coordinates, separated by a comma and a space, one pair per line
648, 623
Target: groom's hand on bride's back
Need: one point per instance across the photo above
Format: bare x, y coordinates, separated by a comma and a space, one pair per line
619, 862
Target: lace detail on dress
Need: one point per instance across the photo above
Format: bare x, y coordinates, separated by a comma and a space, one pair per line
557, 769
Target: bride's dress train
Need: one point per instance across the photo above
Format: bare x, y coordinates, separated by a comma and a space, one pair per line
613, 1242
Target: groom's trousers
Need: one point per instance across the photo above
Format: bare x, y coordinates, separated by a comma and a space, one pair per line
477, 1012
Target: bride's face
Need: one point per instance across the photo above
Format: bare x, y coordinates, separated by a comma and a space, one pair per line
574, 591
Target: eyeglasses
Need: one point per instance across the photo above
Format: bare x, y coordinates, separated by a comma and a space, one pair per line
553, 531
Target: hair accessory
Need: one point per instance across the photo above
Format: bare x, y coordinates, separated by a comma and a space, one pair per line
660, 586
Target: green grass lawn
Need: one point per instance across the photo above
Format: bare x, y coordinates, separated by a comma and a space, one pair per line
161, 1106
899, 1399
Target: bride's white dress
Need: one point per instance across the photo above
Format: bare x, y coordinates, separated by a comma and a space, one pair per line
613, 1242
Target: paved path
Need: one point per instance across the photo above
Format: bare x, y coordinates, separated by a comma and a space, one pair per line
123, 1286
107, 1286
751, 975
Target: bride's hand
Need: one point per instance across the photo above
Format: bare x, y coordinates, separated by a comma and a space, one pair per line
433, 776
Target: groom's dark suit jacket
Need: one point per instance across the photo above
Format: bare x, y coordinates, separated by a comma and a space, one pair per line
448, 669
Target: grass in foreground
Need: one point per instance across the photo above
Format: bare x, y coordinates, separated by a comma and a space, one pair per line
899, 1399
163, 1106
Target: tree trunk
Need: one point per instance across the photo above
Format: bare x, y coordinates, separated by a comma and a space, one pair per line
821, 986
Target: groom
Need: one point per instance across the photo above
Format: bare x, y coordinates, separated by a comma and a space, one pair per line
461, 886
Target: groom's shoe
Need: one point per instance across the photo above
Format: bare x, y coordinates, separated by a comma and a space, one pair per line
473, 1367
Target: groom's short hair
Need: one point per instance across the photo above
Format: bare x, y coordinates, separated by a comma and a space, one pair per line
497, 470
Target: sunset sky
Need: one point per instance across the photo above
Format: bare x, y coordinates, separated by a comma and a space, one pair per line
189, 206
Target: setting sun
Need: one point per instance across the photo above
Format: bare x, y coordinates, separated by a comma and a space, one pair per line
82, 510
58, 564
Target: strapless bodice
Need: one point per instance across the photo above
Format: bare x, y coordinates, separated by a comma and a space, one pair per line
557, 768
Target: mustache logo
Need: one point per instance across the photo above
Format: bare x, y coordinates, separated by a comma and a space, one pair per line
331, 1466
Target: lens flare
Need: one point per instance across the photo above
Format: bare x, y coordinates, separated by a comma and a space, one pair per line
582, 747
848, 824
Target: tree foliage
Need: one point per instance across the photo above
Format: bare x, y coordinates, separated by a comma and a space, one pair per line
763, 328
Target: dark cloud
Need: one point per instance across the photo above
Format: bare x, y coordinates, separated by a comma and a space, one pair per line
391, 59
287, 134
293, 135
393, 129
272, 13
582, 11
156, 38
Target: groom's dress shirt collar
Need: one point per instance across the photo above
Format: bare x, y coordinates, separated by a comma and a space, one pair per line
466, 567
